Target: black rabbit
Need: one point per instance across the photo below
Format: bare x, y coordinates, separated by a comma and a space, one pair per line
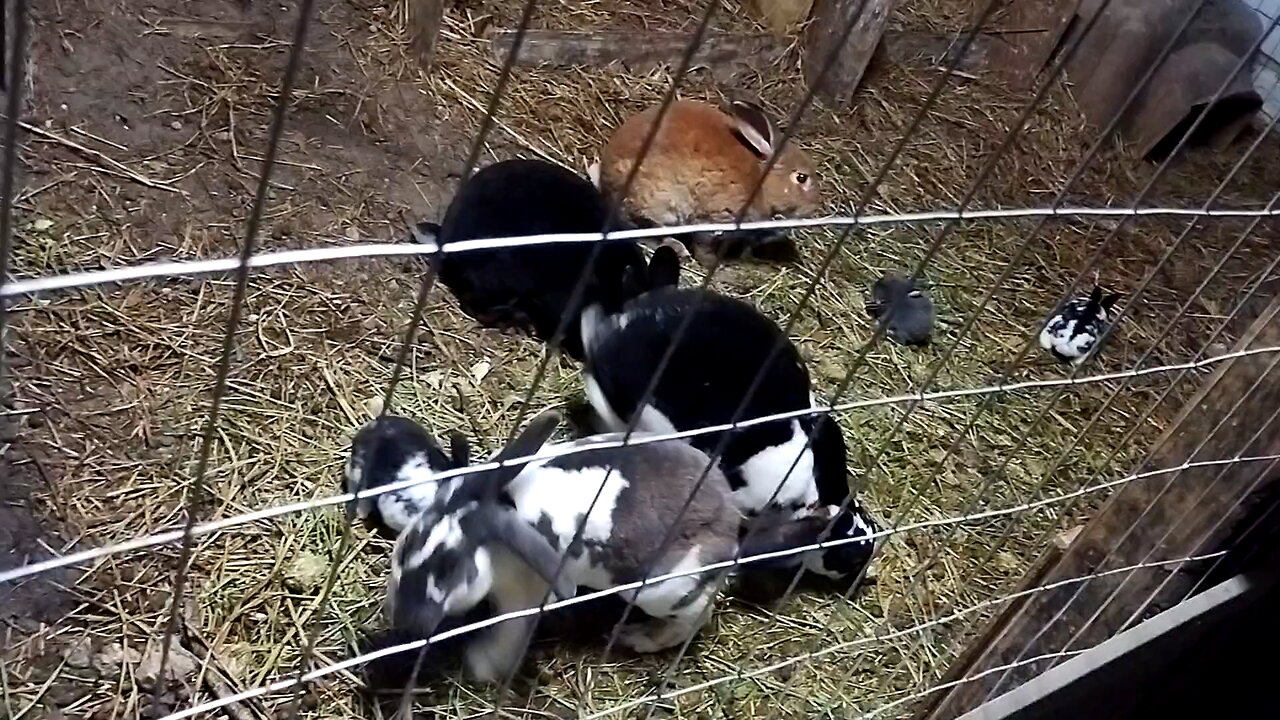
769, 468
903, 308
529, 288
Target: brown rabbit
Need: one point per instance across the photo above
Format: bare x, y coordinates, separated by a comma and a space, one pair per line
701, 167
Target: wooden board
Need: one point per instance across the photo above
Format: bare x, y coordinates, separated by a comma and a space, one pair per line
1164, 517
567, 48
826, 33
1025, 37
425, 19
559, 48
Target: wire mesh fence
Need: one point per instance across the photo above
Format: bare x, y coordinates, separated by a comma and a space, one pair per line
207, 290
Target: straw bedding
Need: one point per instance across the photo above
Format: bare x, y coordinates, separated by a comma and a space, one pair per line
123, 376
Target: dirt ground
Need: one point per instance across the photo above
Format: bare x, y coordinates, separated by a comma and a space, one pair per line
146, 127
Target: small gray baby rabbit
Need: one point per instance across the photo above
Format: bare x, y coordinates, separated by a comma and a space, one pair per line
912, 317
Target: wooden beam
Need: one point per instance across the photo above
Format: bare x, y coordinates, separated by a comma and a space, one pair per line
826, 34
425, 19
568, 48
1029, 33
1163, 517
560, 48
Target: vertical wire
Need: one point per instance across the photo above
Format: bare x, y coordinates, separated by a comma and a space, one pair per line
1275, 362
1043, 413
8, 184
473, 157
1262, 475
1065, 57
198, 488
615, 208
1073, 502
1187, 513
1151, 182
936, 91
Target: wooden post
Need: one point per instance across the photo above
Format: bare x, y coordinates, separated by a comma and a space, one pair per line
1164, 517
827, 24
425, 19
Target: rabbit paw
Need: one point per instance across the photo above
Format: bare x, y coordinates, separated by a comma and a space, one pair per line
651, 636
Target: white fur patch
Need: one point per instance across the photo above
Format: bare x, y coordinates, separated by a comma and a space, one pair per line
563, 497
651, 419
400, 507
1060, 336
766, 469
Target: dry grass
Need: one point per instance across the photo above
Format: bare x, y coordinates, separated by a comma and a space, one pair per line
124, 375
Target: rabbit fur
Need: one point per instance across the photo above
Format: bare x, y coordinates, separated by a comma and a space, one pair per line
392, 449
904, 308
501, 538
529, 288
768, 466
1072, 333
702, 166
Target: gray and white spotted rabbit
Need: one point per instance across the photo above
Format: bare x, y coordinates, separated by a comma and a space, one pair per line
499, 536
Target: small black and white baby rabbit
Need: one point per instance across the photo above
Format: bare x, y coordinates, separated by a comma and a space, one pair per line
1073, 331
501, 535
529, 288
727, 341
904, 308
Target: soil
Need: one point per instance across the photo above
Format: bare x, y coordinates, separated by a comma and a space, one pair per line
182, 93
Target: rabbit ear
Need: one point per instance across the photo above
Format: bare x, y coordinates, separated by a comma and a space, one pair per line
753, 125
664, 268
527, 544
459, 450
424, 233
1110, 300
534, 436
1095, 296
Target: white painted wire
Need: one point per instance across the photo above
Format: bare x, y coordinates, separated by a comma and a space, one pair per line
271, 512
187, 268
292, 682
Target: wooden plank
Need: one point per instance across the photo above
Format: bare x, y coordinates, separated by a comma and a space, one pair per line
1028, 33
825, 34
425, 19
1161, 518
567, 48
557, 48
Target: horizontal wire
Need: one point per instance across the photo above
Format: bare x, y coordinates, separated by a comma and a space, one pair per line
579, 447
288, 683
346, 252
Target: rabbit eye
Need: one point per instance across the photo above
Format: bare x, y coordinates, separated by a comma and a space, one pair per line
915, 294
801, 178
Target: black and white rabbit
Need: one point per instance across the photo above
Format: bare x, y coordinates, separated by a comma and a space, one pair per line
768, 467
1072, 334
392, 449
500, 535
903, 308
528, 288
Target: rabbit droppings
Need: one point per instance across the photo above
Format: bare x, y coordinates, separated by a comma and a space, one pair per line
702, 166
1071, 335
528, 288
502, 534
903, 308
767, 466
